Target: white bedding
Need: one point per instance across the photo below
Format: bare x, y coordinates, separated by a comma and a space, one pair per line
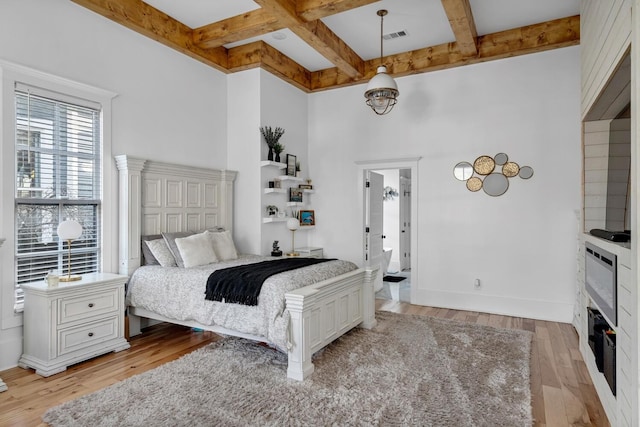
178, 293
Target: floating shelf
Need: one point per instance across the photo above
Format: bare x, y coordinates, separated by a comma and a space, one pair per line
289, 178
274, 219
295, 203
264, 163
275, 190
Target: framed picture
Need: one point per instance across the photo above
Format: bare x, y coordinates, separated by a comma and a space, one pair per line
305, 186
295, 194
307, 218
291, 165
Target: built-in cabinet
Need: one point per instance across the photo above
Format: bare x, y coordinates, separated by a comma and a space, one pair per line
610, 74
617, 401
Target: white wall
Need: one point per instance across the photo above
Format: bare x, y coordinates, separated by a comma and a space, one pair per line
169, 107
522, 245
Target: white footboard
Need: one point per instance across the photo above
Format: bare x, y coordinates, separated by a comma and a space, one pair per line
322, 312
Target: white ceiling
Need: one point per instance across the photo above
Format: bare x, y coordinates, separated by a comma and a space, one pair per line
424, 20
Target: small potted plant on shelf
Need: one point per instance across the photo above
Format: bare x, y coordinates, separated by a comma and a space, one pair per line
298, 172
278, 148
271, 137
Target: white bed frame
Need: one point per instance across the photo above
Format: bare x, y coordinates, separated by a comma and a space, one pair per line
159, 197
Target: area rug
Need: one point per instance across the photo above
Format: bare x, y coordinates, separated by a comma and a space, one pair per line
393, 278
410, 370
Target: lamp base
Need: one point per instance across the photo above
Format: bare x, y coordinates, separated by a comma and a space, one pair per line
292, 254
70, 278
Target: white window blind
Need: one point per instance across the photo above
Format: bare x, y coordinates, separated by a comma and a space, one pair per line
58, 177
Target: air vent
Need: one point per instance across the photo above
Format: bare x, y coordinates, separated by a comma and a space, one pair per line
395, 35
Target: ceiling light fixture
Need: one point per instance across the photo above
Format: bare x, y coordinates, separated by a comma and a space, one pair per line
382, 91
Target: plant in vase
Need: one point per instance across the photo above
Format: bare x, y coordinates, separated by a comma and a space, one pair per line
298, 170
278, 148
271, 137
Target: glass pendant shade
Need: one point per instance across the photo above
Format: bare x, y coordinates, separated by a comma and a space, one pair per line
382, 92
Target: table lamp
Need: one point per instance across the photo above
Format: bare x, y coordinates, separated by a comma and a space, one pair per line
293, 224
69, 230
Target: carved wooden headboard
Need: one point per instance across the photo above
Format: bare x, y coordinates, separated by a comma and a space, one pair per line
160, 197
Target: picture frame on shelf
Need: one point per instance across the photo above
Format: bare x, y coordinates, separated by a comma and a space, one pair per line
291, 164
305, 186
307, 218
295, 194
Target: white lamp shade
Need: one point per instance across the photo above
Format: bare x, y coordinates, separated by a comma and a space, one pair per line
382, 92
69, 230
293, 224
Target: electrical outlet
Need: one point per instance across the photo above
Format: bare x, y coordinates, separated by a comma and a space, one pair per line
476, 283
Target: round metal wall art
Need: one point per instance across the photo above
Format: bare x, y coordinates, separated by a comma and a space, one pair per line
484, 165
510, 169
474, 184
494, 173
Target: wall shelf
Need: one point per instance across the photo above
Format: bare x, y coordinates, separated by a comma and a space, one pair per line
268, 163
275, 190
268, 219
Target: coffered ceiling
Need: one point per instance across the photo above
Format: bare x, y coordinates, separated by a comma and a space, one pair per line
322, 44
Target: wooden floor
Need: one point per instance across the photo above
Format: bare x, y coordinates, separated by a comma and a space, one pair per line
562, 393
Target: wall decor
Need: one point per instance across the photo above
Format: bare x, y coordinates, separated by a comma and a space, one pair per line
305, 186
295, 194
490, 174
307, 218
291, 165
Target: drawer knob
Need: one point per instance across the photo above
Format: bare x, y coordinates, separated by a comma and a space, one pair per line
90, 305
90, 334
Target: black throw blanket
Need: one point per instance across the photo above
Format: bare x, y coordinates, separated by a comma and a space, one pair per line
242, 284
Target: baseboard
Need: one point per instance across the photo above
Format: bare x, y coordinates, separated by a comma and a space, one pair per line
553, 311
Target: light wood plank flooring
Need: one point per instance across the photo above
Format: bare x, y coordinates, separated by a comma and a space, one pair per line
562, 393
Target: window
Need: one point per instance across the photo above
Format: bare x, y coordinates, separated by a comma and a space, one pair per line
57, 178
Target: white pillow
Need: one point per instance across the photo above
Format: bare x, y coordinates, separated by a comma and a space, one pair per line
196, 250
161, 252
223, 245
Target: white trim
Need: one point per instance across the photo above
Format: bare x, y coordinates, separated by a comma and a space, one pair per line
402, 163
10, 74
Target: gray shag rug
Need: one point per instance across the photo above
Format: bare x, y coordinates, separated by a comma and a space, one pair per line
409, 370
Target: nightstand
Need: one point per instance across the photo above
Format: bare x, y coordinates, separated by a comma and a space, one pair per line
72, 322
310, 252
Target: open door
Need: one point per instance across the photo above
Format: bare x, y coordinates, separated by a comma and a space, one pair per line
374, 191
405, 223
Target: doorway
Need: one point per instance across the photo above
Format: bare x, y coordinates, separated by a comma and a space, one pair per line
389, 234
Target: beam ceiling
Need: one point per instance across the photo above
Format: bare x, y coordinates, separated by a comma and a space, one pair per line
302, 17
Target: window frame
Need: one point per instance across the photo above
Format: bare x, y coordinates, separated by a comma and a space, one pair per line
12, 74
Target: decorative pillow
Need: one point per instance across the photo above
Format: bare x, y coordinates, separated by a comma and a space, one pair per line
170, 239
161, 252
196, 250
223, 245
148, 258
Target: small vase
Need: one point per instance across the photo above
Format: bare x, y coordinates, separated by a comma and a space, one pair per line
277, 159
270, 155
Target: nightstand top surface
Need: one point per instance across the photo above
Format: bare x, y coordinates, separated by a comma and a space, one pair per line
87, 279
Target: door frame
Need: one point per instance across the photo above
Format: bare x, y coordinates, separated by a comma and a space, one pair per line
402, 163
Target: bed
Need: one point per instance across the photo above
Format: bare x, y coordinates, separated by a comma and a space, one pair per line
301, 318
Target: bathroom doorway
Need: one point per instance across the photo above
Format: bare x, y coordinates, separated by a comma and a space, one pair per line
399, 209
396, 234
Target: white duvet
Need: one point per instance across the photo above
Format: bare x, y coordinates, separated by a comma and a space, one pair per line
178, 293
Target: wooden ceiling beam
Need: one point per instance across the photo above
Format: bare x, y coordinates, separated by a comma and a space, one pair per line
144, 19
518, 41
332, 47
260, 54
312, 10
237, 28
463, 25
283, 10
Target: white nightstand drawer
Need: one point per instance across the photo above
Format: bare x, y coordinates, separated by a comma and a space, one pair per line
81, 307
80, 337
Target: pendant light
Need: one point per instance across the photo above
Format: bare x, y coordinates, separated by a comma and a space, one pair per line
382, 91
